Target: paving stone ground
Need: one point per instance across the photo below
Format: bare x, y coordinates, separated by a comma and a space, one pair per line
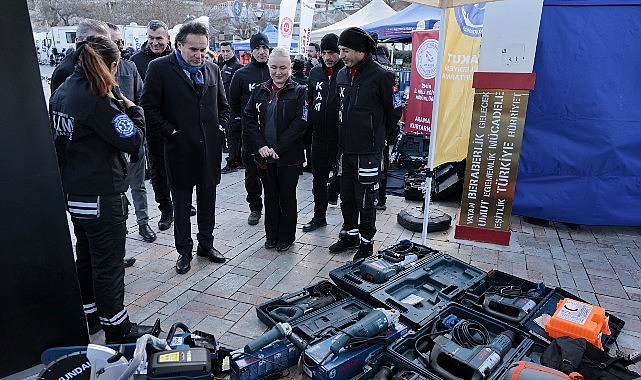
598, 263
601, 264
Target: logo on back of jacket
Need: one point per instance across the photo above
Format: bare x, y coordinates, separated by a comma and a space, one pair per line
319, 96
62, 124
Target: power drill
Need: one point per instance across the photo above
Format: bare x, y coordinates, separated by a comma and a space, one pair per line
380, 270
453, 362
372, 324
288, 313
281, 330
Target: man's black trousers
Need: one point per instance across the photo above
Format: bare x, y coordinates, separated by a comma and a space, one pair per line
357, 199
156, 152
253, 184
323, 162
205, 214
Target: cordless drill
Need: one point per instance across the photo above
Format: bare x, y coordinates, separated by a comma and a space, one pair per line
454, 362
372, 324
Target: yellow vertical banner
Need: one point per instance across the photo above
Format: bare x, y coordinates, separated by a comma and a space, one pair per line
460, 61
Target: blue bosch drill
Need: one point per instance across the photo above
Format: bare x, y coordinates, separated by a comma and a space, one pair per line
372, 324
454, 362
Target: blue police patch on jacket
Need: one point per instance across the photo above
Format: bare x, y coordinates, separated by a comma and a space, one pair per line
124, 126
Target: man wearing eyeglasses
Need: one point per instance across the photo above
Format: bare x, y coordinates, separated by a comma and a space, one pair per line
130, 85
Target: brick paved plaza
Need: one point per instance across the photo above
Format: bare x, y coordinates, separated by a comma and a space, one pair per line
599, 264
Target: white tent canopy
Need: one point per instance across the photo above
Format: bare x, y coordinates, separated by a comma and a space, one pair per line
374, 11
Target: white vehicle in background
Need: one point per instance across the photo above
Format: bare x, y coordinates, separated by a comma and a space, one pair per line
62, 37
41, 43
134, 35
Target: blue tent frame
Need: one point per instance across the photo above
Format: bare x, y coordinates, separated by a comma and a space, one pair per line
399, 27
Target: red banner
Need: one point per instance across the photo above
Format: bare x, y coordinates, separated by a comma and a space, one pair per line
422, 78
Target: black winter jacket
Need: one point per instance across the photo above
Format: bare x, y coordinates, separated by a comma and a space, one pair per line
144, 56
370, 107
171, 102
91, 133
291, 116
243, 82
323, 100
227, 70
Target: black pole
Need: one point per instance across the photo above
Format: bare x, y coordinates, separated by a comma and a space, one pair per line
40, 304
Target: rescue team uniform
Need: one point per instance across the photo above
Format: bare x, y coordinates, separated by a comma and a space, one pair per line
368, 112
93, 139
243, 82
277, 118
227, 70
323, 99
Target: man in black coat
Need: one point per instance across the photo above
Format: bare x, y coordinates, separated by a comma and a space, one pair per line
242, 84
369, 110
156, 46
228, 68
184, 101
322, 96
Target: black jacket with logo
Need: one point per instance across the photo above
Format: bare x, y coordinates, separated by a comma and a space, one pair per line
370, 107
227, 70
242, 84
323, 100
291, 121
91, 134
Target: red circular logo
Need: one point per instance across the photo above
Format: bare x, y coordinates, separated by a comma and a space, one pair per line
286, 27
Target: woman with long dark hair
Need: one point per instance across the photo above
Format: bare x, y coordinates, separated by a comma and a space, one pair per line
95, 135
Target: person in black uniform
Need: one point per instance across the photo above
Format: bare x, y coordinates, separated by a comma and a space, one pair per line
93, 134
156, 46
322, 95
368, 112
275, 120
243, 82
184, 101
228, 68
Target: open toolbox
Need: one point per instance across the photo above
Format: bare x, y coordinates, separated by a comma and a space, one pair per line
420, 293
292, 306
394, 369
436, 351
363, 276
522, 301
318, 324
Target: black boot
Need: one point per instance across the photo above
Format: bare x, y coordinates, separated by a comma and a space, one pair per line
166, 219
364, 250
128, 332
345, 243
314, 224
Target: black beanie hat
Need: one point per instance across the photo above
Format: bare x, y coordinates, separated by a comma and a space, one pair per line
258, 39
357, 39
329, 42
298, 65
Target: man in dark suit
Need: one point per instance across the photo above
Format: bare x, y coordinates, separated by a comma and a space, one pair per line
184, 101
